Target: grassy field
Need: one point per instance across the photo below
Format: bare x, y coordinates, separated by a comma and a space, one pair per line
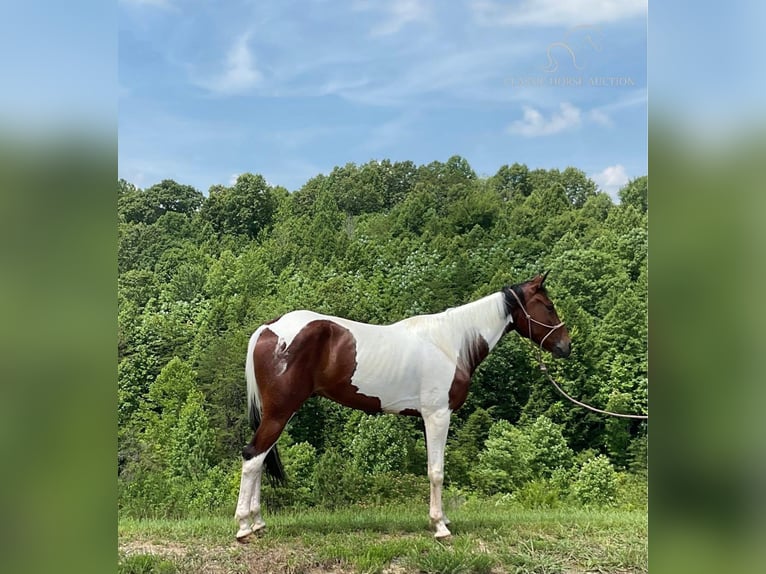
487, 538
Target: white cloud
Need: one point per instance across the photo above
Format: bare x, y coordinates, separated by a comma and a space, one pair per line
154, 3
632, 99
239, 73
472, 74
555, 12
534, 124
600, 117
396, 14
611, 179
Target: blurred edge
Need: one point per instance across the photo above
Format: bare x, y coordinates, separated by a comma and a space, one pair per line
707, 248
707, 157
58, 175
57, 343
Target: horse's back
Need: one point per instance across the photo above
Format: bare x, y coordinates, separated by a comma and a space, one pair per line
290, 324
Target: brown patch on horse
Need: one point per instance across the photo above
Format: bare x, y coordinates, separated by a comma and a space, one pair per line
410, 413
474, 351
335, 365
320, 360
280, 398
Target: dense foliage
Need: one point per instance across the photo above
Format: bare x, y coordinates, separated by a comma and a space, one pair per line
377, 243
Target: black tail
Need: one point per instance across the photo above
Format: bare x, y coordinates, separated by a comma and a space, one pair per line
272, 463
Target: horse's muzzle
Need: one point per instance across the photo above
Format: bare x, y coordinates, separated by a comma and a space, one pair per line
562, 349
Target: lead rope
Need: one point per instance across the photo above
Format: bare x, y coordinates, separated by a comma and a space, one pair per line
544, 367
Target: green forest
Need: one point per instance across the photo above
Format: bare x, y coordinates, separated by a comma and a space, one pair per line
198, 273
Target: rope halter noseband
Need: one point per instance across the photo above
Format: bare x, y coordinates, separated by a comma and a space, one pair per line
531, 320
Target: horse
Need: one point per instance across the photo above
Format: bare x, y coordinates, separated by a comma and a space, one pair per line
420, 366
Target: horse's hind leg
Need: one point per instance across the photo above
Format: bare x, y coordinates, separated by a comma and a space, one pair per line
249, 492
248, 513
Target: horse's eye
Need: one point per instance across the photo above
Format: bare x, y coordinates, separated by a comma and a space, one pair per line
550, 308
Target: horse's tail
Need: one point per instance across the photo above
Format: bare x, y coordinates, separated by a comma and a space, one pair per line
255, 410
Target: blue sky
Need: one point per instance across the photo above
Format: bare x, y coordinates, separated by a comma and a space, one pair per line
209, 89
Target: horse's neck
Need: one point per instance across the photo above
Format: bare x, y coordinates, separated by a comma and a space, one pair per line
486, 317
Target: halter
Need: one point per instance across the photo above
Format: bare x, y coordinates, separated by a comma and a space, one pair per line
544, 367
531, 320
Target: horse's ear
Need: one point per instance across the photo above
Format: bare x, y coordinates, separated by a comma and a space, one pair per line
544, 276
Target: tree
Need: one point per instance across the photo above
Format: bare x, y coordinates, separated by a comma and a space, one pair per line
398, 181
138, 286
457, 168
504, 464
415, 212
463, 450
243, 209
170, 391
596, 482
147, 206
593, 277
549, 447
541, 208
512, 181
357, 190
379, 444
338, 480
479, 207
577, 186
325, 236
636, 193
218, 361
304, 198
300, 462
190, 440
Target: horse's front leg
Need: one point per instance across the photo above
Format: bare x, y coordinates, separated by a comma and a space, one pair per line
437, 425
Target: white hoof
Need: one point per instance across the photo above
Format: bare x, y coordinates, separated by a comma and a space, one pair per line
244, 534
258, 526
442, 532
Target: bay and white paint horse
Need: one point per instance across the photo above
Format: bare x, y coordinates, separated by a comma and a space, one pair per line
420, 366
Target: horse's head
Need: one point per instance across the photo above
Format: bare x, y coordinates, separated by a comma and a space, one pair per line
535, 318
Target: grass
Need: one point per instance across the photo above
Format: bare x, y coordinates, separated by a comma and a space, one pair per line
487, 538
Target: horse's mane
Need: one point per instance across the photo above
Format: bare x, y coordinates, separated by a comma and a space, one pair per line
450, 328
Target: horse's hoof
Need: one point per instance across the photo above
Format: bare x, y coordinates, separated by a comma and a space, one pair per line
258, 527
442, 533
244, 538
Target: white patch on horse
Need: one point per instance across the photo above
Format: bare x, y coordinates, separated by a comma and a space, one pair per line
289, 325
248, 511
280, 358
403, 364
